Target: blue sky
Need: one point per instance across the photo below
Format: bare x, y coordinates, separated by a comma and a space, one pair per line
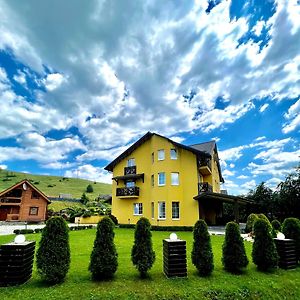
80, 82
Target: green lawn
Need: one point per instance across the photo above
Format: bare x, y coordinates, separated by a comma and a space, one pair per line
127, 285
54, 185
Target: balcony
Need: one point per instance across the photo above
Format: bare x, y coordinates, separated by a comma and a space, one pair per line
205, 166
10, 201
204, 187
130, 170
128, 192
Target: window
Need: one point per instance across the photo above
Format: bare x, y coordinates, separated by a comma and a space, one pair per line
161, 210
173, 154
152, 210
33, 211
152, 157
137, 209
174, 178
35, 195
161, 179
130, 184
161, 155
152, 180
131, 162
175, 210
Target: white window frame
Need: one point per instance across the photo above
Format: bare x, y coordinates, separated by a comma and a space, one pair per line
173, 150
163, 204
152, 210
173, 182
176, 218
137, 209
158, 181
131, 162
161, 154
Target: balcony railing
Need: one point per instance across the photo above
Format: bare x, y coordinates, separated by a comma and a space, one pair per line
130, 170
204, 187
205, 162
128, 191
10, 200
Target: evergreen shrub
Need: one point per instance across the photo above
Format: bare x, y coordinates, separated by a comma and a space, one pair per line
264, 253
250, 221
114, 219
291, 230
202, 255
104, 257
142, 254
53, 254
234, 256
276, 227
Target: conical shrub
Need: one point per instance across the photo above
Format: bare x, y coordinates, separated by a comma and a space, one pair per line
104, 257
53, 254
142, 254
291, 230
234, 257
202, 255
264, 253
276, 227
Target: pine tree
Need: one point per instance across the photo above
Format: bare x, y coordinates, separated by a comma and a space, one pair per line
53, 255
202, 255
104, 257
142, 254
264, 253
291, 230
234, 257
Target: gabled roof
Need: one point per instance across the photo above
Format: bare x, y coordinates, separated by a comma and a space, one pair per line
147, 137
30, 184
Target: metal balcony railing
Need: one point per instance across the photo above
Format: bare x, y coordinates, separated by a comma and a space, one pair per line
205, 162
10, 200
128, 191
204, 187
130, 170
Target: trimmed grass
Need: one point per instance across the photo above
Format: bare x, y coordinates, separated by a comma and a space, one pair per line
54, 185
280, 284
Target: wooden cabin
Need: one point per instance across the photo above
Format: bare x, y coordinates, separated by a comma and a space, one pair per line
23, 202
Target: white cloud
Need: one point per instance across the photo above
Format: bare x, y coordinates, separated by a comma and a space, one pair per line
54, 81
293, 117
20, 77
3, 167
263, 107
90, 172
260, 138
243, 177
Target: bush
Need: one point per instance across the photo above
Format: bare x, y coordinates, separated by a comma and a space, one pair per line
142, 254
234, 257
84, 199
87, 214
53, 254
263, 217
23, 231
38, 230
250, 222
17, 231
291, 230
104, 257
264, 253
89, 189
276, 227
202, 255
114, 219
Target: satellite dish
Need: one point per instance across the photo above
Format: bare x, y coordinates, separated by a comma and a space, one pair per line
24, 186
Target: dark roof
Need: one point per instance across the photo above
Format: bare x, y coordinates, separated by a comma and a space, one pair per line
207, 147
145, 138
30, 184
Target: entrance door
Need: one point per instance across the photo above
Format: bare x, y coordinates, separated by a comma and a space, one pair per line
3, 213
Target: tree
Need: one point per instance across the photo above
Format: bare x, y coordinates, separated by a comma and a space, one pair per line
84, 199
291, 230
89, 189
250, 221
264, 253
234, 257
142, 254
104, 257
53, 255
202, 255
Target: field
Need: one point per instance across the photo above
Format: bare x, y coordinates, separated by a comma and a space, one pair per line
252, 284
54, 185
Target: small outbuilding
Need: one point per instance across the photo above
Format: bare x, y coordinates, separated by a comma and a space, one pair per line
23, 202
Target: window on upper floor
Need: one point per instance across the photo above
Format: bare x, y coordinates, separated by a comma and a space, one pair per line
173, 154
33, 211
152, 157
161, 210
35, 195
152, 180
130, 162
130, 183
137, 209
174, 178
161, 154
161, 179
175, 210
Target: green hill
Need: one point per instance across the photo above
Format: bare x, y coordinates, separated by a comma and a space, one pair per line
54, 185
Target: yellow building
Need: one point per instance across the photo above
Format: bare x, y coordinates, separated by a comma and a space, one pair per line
169, 183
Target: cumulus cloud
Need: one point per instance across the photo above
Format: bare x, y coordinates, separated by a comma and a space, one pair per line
293, 117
